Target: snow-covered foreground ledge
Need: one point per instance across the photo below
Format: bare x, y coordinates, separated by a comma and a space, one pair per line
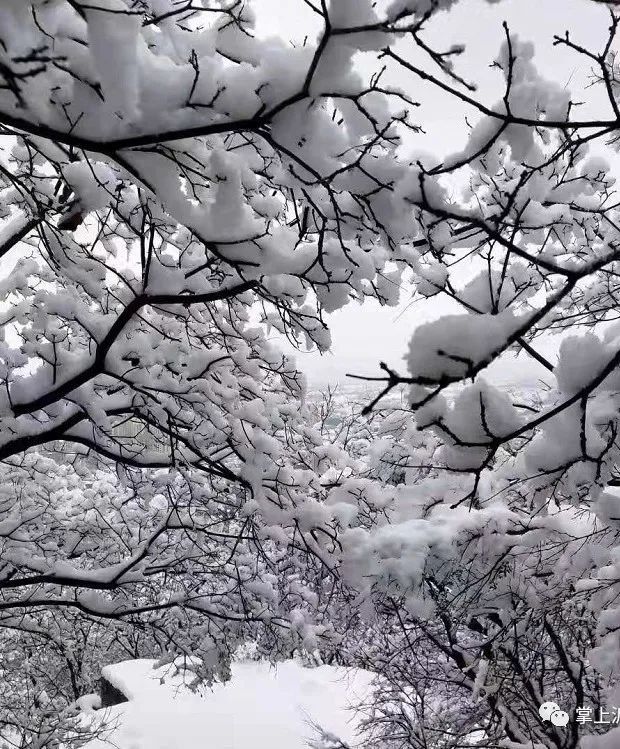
261, 707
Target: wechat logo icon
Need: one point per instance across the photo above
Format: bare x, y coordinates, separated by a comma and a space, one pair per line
551, 711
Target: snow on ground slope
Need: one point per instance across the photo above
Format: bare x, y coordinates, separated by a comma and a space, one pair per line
262, 707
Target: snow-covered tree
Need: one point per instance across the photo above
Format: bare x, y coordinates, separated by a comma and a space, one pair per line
169, 182
173, 185
492, 573
100, 565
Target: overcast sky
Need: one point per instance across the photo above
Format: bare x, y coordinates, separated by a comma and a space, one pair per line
364, 335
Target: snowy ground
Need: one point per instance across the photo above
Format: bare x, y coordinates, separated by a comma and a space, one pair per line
262, 707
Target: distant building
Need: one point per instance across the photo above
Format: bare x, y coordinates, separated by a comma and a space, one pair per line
135, 434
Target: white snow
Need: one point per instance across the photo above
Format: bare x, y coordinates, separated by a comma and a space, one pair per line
92, 181
262, 706
452, 346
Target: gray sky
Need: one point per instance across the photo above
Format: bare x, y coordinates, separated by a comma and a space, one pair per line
364, 335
